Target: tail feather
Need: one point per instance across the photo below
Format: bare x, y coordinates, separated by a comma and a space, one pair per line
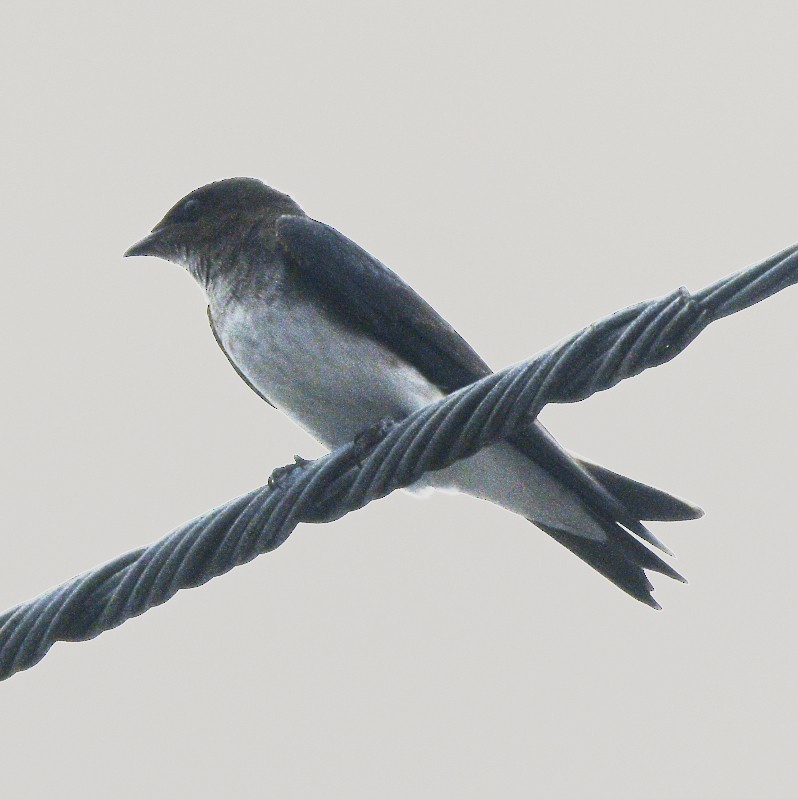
604, 492
618, 504
640, 555
621, 559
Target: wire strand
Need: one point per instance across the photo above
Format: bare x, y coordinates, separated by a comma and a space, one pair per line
389, 456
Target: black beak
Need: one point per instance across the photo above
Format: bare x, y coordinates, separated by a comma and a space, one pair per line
149, 245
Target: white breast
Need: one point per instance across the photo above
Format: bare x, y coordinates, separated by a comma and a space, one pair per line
331, 381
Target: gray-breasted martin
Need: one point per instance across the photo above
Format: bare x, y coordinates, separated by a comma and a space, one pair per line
338, 342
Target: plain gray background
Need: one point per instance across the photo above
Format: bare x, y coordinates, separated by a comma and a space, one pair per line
528, 168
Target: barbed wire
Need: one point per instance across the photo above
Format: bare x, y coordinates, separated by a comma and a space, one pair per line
383, 458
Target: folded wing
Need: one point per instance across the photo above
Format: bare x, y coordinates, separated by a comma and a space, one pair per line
374, 298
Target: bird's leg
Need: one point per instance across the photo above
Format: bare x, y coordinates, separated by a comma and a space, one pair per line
281, 472
362, 444
369, 437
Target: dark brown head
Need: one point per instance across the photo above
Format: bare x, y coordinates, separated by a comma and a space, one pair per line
215, 220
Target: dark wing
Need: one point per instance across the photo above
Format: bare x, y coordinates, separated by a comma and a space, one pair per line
644, 501
367, 293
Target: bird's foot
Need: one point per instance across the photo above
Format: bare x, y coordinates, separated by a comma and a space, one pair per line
369, 437
278, 476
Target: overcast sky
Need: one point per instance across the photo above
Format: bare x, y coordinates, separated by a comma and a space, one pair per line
527, 168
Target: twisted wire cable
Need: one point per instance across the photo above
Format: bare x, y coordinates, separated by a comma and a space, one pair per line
388, 456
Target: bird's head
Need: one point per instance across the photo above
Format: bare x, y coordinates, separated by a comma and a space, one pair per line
215, 221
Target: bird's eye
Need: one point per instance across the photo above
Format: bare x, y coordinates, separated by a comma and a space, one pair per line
190, 210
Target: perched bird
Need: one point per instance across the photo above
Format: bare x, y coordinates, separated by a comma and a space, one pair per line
333, 338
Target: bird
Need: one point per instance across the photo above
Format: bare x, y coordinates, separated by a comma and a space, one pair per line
330, 336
